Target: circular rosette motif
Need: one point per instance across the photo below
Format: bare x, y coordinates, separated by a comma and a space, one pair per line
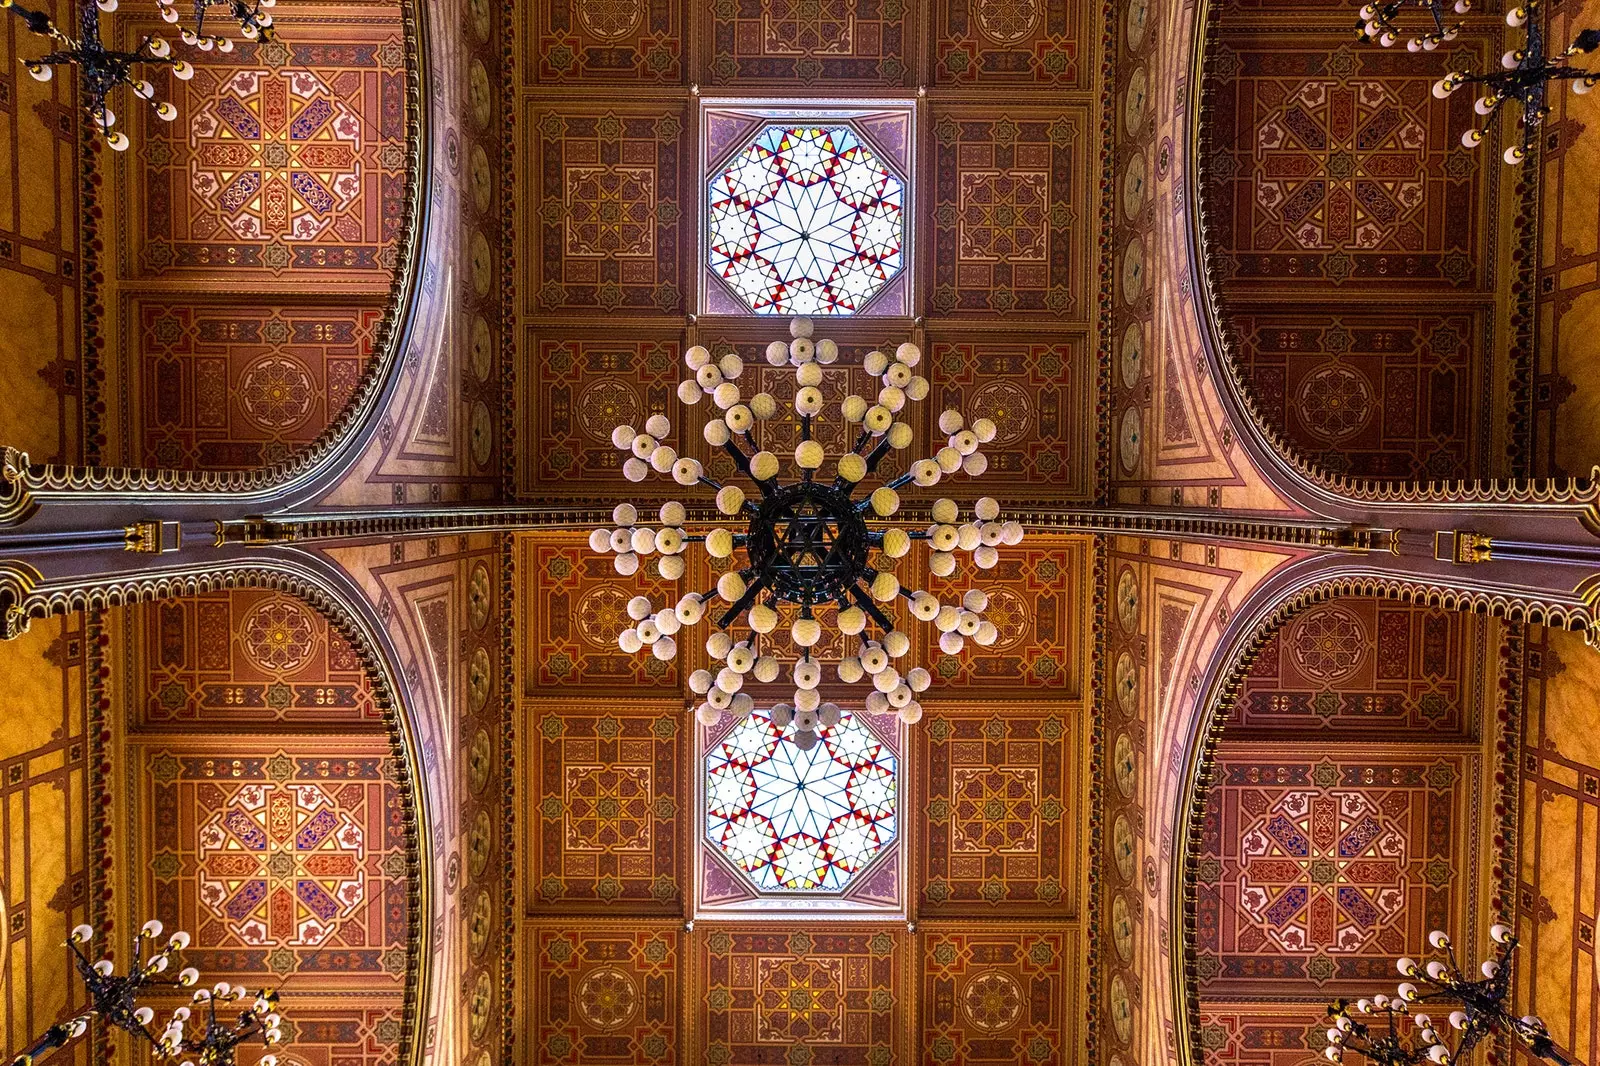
795, 818
805, 220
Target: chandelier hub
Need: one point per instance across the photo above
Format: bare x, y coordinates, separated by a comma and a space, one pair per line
810, 542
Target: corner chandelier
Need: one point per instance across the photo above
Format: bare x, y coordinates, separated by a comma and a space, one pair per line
102, 70
212, 1038
808, 542
1524, 75
1481, 1009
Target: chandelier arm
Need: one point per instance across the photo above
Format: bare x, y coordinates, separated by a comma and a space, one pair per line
865, 603
878, 452
742, 604
742, 461
36, 21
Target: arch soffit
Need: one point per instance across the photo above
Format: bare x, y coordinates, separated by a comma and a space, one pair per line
300, 474
23, 598
1297, 588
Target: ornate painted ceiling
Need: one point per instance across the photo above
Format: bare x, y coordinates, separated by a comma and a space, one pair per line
1215, 272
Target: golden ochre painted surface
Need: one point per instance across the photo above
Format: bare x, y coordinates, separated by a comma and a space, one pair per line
41, 261
1557, 897
1567, 405
44, 827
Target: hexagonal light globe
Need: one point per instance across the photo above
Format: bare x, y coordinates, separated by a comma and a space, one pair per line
795, 820
805, 220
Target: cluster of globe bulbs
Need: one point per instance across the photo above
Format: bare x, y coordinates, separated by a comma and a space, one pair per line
171, 1041
1439, 973
658, 627
1378, 24
153, 49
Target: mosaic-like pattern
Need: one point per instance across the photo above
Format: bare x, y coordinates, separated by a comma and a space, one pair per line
997, 833
801, 819
809, 42
1026, 43
1360, 666
805, 221
1336, 165
582, 388
609, 214
287, 161
248, 657
605, 995
1010, 217
223, 387
605, 818
280, 858
1363, 392
775, 995
996, 996
1263, 1034
582, 604
1034, 595
366, 1033
1035, 393
627, 41
1323, 872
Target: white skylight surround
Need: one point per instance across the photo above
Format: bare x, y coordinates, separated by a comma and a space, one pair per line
800, 820
805, 220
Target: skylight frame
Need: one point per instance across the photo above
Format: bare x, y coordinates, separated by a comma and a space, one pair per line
717, 300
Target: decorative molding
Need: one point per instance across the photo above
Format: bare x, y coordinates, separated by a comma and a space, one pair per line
23, 480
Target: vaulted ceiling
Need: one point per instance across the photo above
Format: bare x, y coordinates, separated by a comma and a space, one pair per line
451, 248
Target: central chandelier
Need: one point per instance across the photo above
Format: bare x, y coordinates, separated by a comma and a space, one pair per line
810, 541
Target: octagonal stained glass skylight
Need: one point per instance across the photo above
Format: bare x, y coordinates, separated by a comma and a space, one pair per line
800, 820
805, 220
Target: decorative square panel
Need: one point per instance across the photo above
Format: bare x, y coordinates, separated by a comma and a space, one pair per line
363, 1033
1336, 165
286, 162
225, 387
1011, 218
605, 828
783, 43
1035, 595
583, 387
997, 996
1369, 666
623, 41
998, 836
827, 992
1323, 871
1384, 393
1263, 1034
281, 856
578, 604
609, 210
248, 657
1038, 395
1025, 43
608, 993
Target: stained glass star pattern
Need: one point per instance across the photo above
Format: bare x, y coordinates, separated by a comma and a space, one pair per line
805, 221
800, 820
